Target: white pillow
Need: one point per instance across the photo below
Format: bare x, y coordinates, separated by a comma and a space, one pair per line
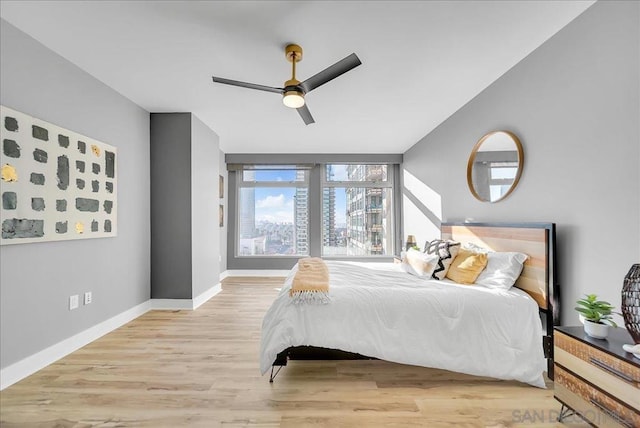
475, 248
503, 269
419, 264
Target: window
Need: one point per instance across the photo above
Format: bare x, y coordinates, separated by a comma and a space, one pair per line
501, 177
357, 210
326, 209
273, 211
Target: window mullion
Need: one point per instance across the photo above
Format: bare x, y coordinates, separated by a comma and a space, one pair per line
273, 184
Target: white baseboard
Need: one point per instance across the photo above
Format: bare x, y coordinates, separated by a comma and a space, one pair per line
256, 272
27, 366
204, 297
188, 304
170, 304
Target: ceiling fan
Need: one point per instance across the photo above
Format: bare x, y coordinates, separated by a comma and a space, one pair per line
294, 91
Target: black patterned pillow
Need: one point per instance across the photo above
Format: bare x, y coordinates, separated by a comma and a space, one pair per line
446, 252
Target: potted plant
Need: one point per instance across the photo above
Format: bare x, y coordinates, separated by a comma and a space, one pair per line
597, 314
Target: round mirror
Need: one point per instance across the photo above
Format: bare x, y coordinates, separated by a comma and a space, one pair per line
495, 165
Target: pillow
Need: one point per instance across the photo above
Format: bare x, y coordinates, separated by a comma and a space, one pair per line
466, 267
419, 264
475, 248
503, 269
446, 252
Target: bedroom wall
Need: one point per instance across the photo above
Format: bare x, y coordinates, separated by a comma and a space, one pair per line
36, 280
222, 170
574, 102
205, 241
185, 242
171, 206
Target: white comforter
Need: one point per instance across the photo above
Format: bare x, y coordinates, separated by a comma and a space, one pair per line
378, 310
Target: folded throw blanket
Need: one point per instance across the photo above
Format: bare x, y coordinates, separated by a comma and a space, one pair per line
311, 281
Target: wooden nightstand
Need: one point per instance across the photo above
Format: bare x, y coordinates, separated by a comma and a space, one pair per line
595, 378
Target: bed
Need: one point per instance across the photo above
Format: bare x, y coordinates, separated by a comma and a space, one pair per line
378, 310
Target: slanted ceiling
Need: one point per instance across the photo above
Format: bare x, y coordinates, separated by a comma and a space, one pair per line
422, 61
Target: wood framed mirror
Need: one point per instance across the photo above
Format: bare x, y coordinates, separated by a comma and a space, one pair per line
495, 166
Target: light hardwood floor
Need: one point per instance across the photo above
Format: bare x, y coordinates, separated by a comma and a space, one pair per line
200, 368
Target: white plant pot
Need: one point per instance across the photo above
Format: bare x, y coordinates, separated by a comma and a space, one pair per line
595, 330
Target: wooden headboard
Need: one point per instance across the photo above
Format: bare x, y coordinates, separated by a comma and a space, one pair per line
538, 277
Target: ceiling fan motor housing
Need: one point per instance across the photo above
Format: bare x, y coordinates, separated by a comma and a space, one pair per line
294, 91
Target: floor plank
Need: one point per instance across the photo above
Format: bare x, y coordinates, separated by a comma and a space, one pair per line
200, 369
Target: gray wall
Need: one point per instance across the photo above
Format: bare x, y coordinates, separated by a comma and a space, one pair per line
171, 206
185, 242
223, 201
36, 280
574, 102
205, 229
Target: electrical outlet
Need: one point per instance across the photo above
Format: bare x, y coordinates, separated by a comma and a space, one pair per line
88, 298
73, 302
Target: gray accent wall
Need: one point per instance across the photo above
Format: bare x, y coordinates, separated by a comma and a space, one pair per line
574, 102
171, 206
36, 280
185, 242
311, 158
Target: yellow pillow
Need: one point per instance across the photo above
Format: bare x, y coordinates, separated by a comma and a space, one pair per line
466, 267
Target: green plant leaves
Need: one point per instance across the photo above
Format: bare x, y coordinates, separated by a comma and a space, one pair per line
594, 310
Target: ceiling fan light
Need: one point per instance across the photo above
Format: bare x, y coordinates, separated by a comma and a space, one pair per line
293, 99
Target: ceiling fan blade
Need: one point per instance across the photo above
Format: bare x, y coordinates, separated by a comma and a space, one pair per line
247, 85
305, 114
330, 73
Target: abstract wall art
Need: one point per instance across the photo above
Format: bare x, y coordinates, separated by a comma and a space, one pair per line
56, 184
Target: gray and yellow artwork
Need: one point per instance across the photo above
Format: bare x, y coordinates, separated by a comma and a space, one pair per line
55, 184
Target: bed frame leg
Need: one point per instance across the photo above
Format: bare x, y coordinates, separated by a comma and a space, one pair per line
273, 376
565, 412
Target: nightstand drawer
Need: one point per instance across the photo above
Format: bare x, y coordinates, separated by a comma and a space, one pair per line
591, 403
618, 377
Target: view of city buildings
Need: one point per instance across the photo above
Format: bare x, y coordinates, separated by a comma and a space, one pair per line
301, 217
366, 212
355, 220
329, 212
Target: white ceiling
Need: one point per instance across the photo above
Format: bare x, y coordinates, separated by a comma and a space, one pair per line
421, 61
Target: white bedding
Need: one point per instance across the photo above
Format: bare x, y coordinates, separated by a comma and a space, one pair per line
380, 311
